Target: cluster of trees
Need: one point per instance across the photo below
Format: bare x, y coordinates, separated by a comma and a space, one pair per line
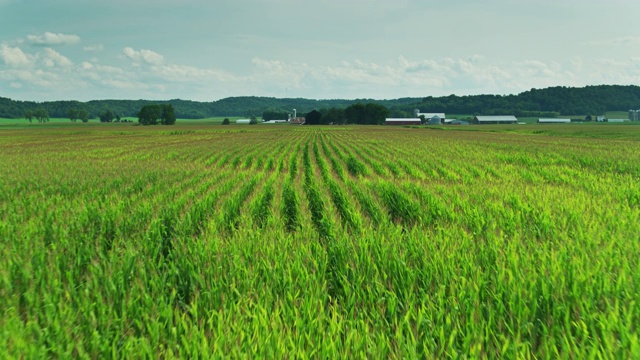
362, 114
77, 114
163, 114
108, 116
40, 114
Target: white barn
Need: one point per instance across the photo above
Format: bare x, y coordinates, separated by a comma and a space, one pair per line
554, 121
495, 119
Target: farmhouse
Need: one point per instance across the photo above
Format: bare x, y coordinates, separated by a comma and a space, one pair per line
496, 119
398, 121
554, 121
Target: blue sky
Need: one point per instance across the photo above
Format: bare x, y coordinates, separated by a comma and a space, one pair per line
208, 50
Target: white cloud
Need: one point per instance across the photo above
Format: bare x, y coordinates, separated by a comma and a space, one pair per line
93, 48
411, 77
51, 58
14, 56
51, 39
184, 73
146, 56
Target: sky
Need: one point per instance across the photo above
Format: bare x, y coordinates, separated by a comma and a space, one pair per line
206, 50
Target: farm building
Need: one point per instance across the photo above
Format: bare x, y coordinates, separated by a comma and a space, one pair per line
297, 121
456, 122
243, 121
275, 122
495, 119
399, 121
428, 115
434, 120
554, 121
634, 115
615, 120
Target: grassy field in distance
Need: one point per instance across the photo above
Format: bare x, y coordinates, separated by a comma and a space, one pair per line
24, 122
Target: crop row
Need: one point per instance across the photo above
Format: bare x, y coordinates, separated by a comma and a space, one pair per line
317, 242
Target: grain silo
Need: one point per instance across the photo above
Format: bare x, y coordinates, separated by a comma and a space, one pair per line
435, 120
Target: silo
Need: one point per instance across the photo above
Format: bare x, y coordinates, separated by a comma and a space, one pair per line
435, 120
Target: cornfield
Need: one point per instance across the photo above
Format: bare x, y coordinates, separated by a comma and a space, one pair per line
331, 242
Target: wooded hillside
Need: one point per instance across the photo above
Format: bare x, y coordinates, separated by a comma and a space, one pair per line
535, 102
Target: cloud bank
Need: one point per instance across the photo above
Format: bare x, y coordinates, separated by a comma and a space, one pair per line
52, 39
145, 73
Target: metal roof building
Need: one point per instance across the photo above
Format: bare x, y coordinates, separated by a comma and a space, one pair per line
495, 119
554, 121
402, 121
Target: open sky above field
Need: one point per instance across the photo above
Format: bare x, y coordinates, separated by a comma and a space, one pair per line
207, 50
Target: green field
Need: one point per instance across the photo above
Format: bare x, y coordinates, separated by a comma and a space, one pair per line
4, 123
197, 241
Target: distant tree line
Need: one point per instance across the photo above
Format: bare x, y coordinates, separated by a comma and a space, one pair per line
547, 102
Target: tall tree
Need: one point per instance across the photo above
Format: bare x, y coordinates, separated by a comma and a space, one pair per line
149, 114
83, 115
375, 114
154, 114
28, 114
106, 116
41, 114
355, 114
73, 114
168, 116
